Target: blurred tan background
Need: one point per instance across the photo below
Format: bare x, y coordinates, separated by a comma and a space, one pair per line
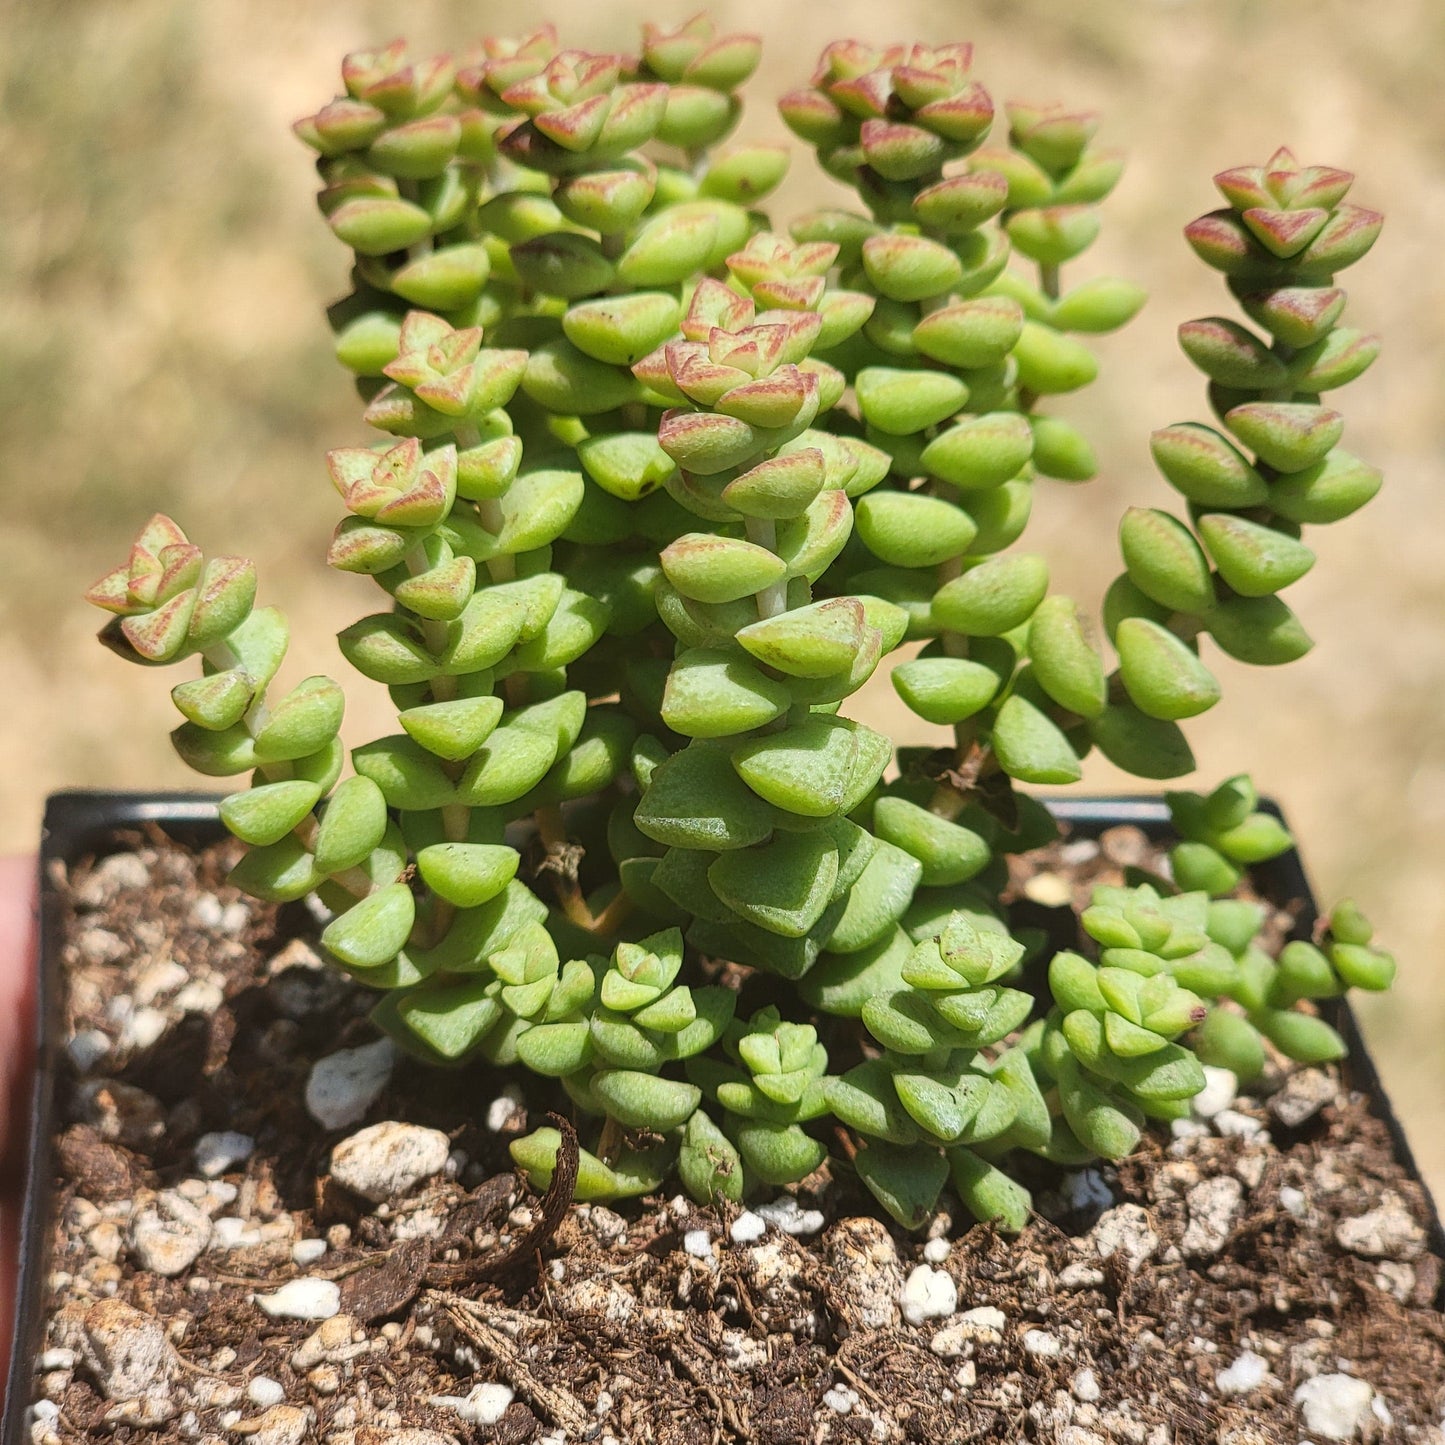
163, 270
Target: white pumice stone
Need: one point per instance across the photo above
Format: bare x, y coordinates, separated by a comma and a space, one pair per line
747, 1228
787, 1215
1220, 1088
1248, 1372
265, 1391
215, 1154
928, 1294
485, 1405
344, 1085
1336, 1406
302, 1299
1293, 1201
386, 1160
307, 1251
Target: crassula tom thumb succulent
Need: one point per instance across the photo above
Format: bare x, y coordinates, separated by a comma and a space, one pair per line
661, 481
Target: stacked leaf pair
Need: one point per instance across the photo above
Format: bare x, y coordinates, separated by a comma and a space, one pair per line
749, 818
1109, 1046
468, 190
1221, 835
948, 372
1260, 1008
945, 1095
1276, 466
170, 603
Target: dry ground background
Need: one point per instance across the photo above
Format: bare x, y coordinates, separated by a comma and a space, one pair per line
162, 271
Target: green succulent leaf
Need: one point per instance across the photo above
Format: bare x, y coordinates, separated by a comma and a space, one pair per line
905, 1181
696, 800
815, 768
267, 813
373, 931
644, 1101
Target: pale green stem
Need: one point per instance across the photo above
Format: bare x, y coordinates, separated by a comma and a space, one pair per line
456, 817
946, 801
772, 600
410, 191
552, 828
1286, 354
222, 656
489, 509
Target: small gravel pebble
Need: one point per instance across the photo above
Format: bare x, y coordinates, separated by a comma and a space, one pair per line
141, 1029
1303, 1095
199, 996
982, 1325
1335, 1406
607, 1224
786, 1214
344, 1085
125, 1350
508, 1110
1220, 1087
169, 1234
1085, 1387
331, 1343
1293, 1201
1247, 1373
265, 1391
280, 1425
386, 1160
120, 873
216, 1154
1086, 1191
302, 1299
869, 1277
937, 1250
87, 1049
928, 1294
485, 1405
747, 1228
232, 1233
1125, 1230
1042, 1345
307, 1251
1386, 1232
1213, 1203
1234, 1125
697, 1244
841, 1399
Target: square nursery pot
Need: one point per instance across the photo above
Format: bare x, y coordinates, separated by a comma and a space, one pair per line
81, 825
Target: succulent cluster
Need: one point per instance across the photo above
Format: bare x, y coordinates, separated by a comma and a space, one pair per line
660, 487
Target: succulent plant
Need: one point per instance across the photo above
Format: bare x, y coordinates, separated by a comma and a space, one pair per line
660, 486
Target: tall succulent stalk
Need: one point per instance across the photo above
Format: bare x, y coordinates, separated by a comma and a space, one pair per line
660, 487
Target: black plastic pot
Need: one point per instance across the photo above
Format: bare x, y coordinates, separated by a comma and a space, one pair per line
82, 824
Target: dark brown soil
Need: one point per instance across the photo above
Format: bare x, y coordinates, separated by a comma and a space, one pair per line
1216, 1243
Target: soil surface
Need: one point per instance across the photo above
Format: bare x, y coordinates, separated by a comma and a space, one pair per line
1259, 1275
